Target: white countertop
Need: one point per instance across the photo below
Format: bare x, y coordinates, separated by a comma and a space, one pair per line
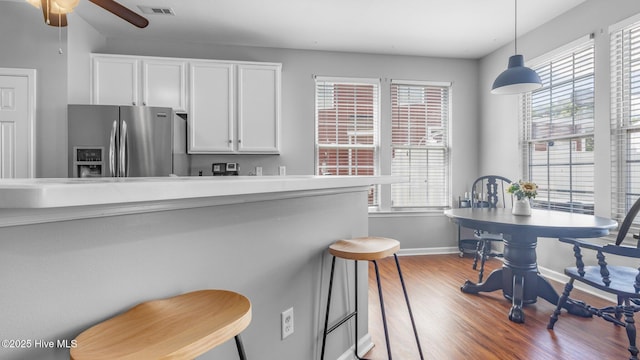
62, 192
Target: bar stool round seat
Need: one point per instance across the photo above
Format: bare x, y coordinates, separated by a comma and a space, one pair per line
370, 248
365, 248
180, 327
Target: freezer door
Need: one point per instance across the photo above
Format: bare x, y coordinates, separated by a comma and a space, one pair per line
146, 141
92, 129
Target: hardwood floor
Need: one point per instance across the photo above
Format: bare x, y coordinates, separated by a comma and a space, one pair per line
454, 325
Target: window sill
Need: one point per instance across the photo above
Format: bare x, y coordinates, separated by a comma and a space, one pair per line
375, 213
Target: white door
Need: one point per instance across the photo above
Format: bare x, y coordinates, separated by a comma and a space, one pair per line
17, 114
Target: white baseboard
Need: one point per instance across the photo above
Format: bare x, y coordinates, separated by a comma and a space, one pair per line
428, 251
364, 345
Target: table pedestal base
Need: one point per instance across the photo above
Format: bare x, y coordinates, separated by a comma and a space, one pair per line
520, 281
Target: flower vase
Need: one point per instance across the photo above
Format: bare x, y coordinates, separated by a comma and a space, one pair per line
521, 207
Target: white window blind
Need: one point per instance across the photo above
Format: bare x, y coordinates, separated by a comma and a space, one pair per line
347, 128
557, 133
625, 120
419, 144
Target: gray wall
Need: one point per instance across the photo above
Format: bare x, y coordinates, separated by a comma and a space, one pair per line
499, 122
83, 39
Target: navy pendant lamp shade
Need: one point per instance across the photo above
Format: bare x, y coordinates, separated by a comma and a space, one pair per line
517, 78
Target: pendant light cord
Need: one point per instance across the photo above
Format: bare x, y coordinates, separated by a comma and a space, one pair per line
60, 33
515, 30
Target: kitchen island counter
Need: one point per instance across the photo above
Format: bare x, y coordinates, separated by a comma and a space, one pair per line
75, 252
24, 201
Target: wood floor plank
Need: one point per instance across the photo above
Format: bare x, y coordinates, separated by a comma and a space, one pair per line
454, 325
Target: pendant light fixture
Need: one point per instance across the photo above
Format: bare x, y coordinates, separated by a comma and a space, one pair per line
517, 78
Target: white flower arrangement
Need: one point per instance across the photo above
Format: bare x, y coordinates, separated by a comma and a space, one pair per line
522, 189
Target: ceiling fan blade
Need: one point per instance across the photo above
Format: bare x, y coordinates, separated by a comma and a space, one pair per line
122, 12
57, 20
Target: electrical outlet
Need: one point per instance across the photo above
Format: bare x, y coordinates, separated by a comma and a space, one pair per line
282, 170
258, 170
287, 323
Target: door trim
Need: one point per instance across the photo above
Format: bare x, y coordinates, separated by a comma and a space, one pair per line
30, 74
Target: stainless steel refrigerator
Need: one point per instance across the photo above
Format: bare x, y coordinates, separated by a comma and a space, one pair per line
125, 141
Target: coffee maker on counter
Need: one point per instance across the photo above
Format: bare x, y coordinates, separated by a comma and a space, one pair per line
225, 169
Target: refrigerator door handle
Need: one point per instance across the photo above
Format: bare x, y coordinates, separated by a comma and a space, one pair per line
112, 149
124, 164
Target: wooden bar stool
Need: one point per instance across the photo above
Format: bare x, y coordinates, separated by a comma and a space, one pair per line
180, 327
369, 249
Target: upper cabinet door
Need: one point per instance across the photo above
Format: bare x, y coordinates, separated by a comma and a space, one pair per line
258, 108
211, 107
164, 83
114, 80
143, 81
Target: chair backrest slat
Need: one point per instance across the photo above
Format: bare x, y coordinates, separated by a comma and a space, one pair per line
495, 189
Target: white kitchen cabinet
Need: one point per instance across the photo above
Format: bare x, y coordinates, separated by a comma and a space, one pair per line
114, 80
234, 107
258, 108
164, 83
147, 81
211, 104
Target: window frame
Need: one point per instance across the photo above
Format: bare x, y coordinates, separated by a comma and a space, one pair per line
374, 195
443, 146
624, 62
528, 141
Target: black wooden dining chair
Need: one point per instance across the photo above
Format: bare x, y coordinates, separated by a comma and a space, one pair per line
489, 191
622, 281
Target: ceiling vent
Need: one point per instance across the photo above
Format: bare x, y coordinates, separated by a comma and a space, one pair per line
156, 10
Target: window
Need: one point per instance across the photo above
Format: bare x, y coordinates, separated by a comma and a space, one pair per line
419, 144
625, 118
558, 127
347, 118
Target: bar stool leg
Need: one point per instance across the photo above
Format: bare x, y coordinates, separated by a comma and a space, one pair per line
240, 347
355, 336
384, 316
406, 297
326, 316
